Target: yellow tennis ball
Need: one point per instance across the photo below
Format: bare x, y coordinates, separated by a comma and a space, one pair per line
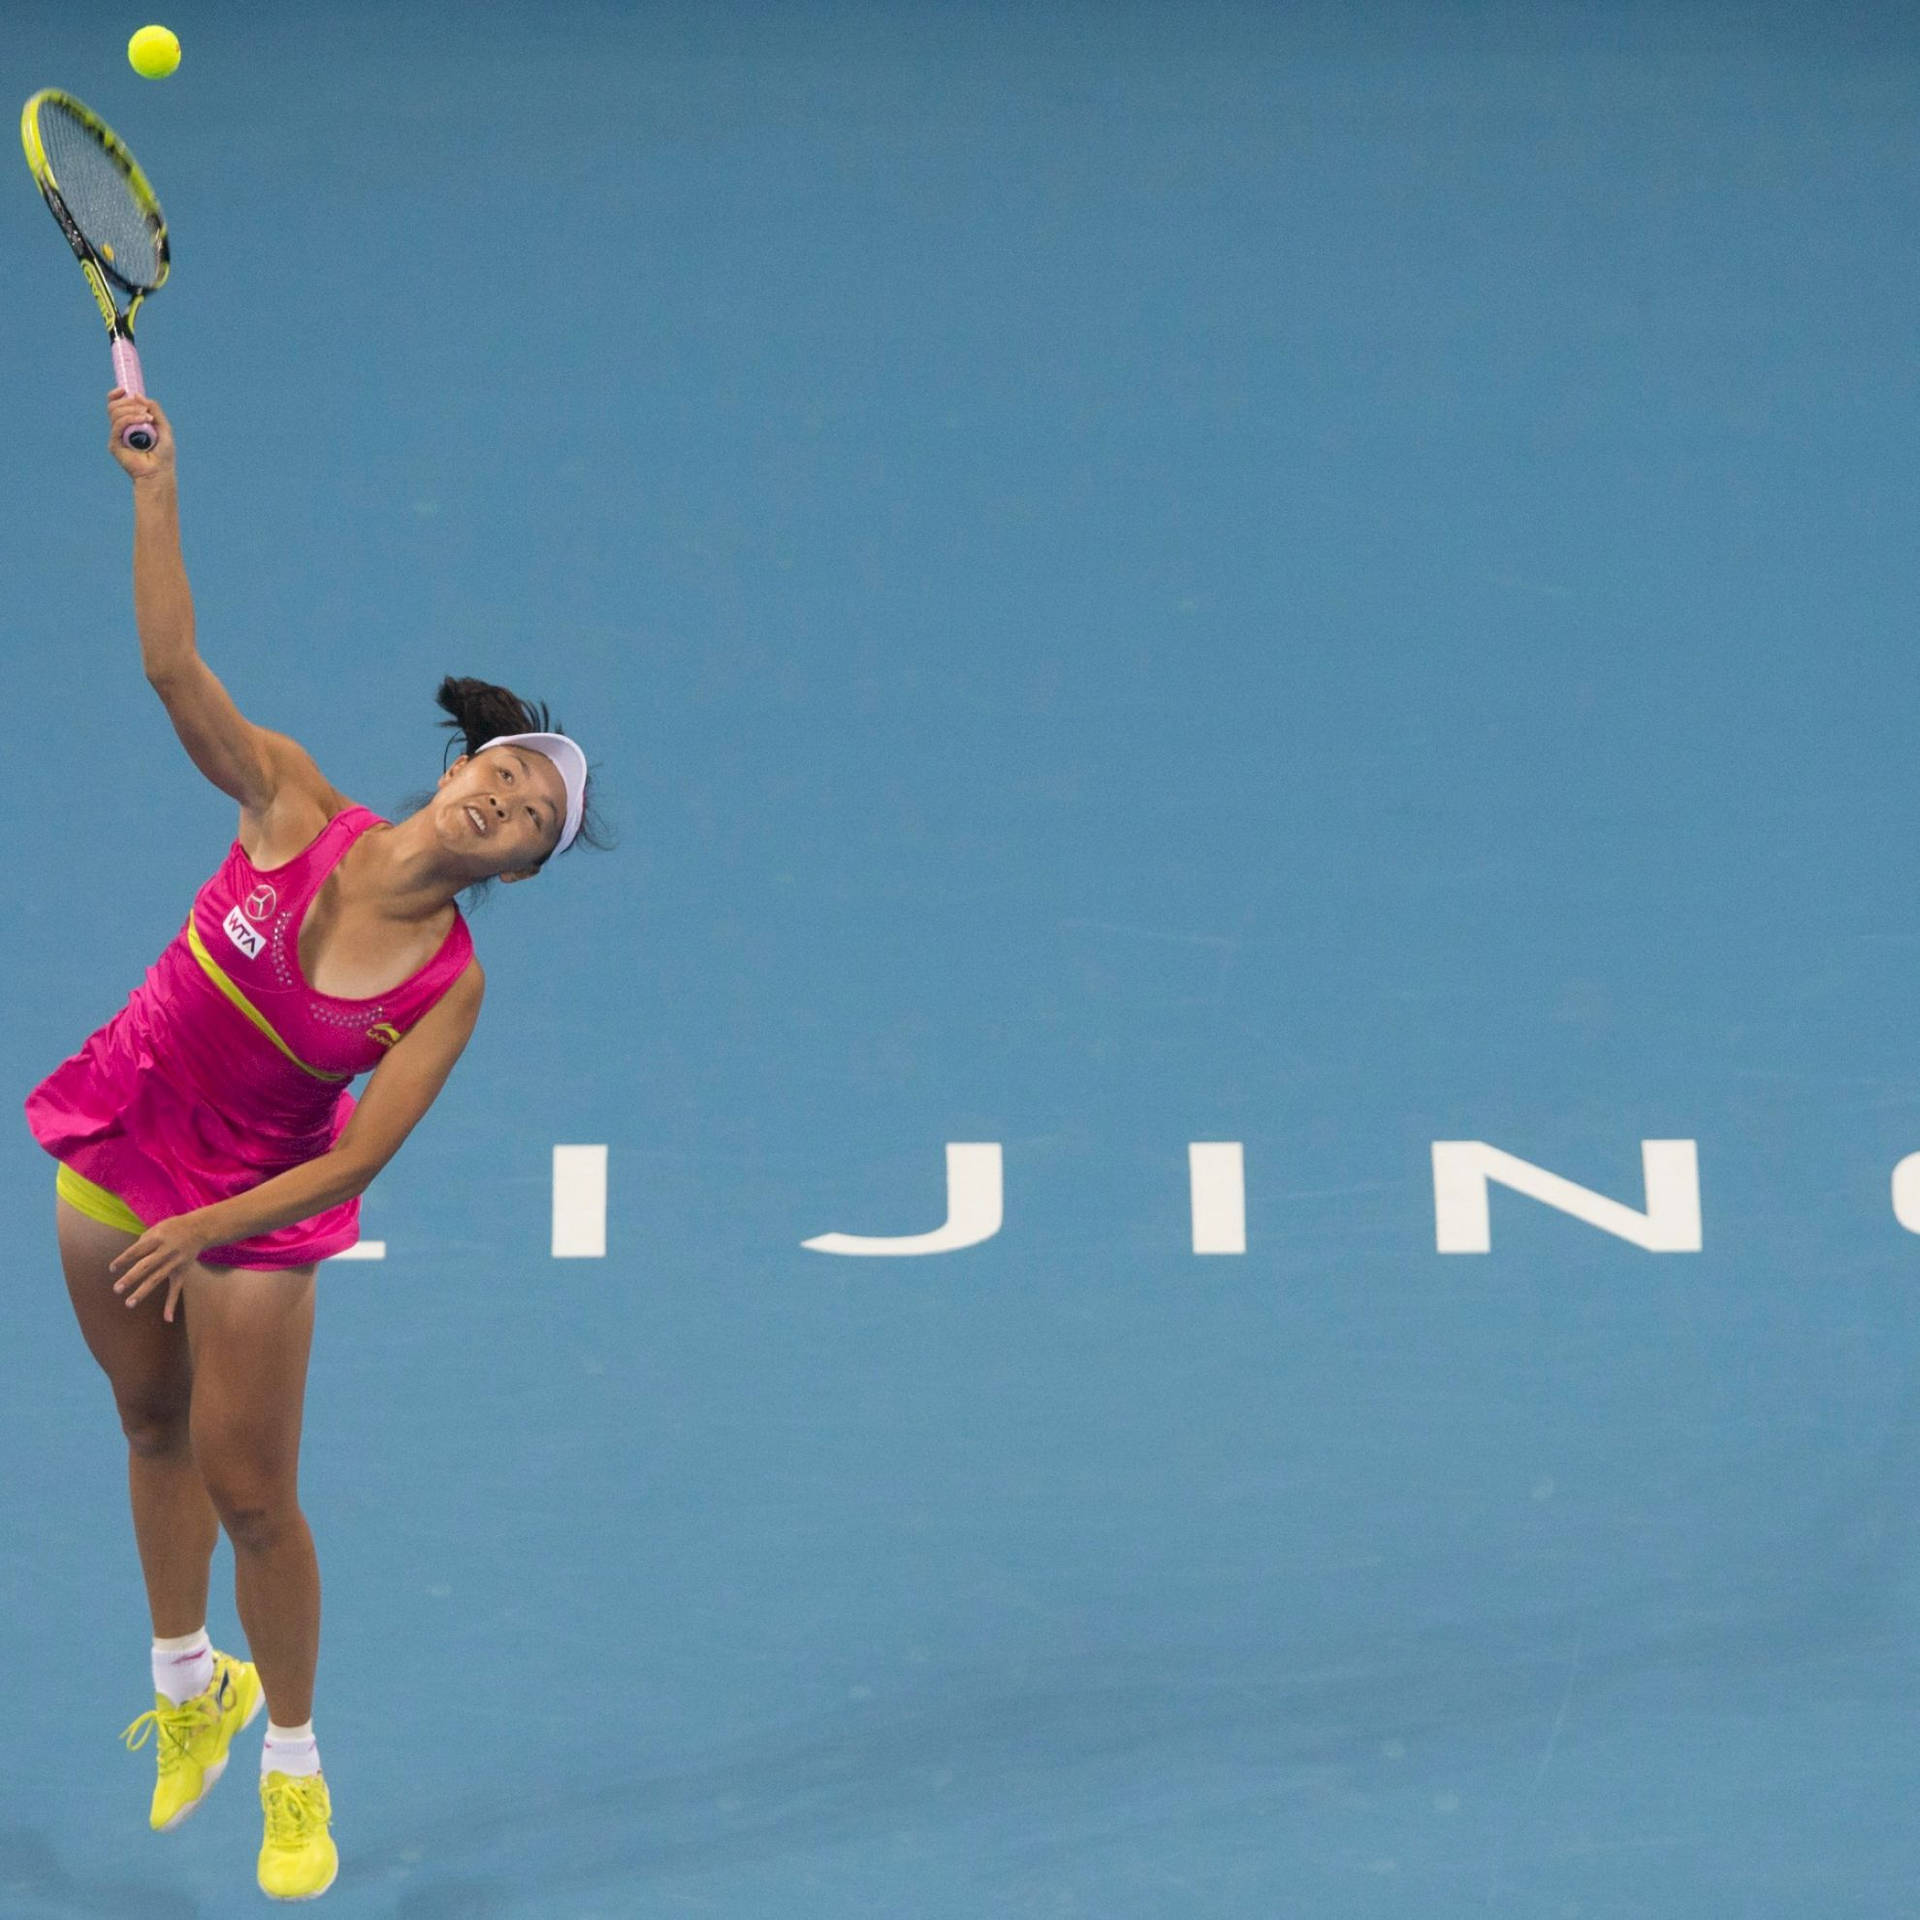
154, 52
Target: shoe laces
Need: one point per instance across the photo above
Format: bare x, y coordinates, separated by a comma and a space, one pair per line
172, 1728
295, 1809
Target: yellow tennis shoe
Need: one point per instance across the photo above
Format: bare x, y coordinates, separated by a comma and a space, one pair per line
191, 1740
298, 1859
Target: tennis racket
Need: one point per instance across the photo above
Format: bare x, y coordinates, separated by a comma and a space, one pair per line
108, 212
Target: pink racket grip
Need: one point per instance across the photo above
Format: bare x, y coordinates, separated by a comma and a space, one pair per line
126, 373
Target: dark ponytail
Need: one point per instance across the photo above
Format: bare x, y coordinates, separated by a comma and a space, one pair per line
482, 712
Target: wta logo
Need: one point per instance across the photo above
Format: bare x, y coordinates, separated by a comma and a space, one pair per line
249, 939
382, 1034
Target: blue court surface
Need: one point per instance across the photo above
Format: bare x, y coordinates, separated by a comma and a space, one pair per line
1320, 579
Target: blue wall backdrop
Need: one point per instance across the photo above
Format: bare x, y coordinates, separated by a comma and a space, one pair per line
1332, 577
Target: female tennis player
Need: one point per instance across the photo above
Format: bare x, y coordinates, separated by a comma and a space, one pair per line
211, 1155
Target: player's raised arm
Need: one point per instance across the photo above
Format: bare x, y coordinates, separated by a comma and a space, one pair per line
258, 768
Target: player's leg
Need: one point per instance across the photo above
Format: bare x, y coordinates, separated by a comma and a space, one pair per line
202, 1697
147, 1364
250, 1334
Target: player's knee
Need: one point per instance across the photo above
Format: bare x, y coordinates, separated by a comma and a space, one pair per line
155, 1424
255, 1512
255, 1502
256, 1526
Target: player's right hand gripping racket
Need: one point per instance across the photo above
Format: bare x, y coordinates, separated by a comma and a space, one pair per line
109, 215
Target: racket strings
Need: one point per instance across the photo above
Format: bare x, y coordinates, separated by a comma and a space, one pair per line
101, 200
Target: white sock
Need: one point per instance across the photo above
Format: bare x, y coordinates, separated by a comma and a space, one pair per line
183, 1667
289, 1750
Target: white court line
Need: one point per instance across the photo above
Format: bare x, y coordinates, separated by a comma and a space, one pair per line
579, 1203
1216, 1171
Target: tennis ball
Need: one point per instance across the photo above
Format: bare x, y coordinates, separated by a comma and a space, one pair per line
154, 52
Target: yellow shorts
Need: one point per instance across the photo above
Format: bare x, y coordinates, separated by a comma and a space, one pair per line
96, 1202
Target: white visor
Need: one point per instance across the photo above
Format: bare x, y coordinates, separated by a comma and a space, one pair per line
573, 772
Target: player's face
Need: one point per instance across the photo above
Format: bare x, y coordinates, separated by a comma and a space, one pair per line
502, 809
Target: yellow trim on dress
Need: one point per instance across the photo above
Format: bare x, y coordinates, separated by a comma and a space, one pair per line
211, 967
95, 1202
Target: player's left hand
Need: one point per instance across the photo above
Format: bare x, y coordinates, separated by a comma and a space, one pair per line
164, 1253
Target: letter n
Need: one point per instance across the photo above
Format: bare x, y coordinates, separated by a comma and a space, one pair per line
1463, 1170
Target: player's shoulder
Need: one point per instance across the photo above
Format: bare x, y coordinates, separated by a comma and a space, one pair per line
302, 803
457, 1011
295, 769
469, 985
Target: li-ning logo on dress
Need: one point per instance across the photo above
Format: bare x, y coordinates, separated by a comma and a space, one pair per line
382, 1034
248, 938
261, 902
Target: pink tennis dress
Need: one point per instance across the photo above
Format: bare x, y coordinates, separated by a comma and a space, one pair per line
225, 1068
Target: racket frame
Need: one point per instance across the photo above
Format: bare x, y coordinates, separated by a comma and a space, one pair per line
101, 277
